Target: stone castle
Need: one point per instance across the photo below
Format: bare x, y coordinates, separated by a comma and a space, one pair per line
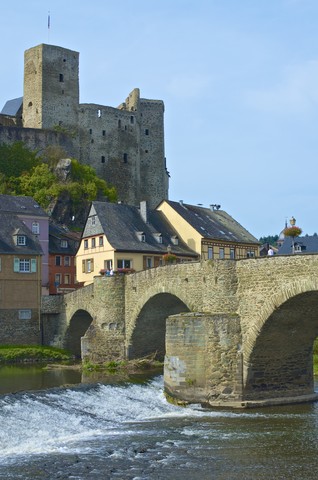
124, 145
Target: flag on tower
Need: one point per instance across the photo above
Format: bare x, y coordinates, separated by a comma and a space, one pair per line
49, 21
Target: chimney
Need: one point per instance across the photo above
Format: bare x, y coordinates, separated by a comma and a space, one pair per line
144, 211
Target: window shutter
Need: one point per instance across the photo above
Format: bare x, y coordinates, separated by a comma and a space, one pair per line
92, 264
83, 266
16, 265
33, 265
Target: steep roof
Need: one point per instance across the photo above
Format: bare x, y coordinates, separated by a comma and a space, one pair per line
122, 224
11, 225
21, 205
308, 244
58, 233
12, 107
213, 224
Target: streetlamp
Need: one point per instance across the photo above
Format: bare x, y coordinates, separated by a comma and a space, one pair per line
292, 232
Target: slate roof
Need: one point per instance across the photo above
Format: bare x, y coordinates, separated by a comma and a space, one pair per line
308, 244
58, 233
10, 225
12, 107
213, 224
121, 224
21, 205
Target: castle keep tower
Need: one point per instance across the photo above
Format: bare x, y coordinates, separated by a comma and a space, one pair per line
51, 87
124, 145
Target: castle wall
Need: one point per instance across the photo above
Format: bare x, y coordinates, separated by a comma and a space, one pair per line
37, 139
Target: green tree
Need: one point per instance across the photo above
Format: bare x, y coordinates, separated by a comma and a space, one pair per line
16, 159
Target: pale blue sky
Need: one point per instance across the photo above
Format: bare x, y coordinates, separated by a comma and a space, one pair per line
239, 79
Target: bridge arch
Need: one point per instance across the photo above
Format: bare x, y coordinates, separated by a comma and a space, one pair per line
278, 353
148, 330
77, 327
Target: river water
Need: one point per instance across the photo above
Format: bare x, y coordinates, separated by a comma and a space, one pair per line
129, 431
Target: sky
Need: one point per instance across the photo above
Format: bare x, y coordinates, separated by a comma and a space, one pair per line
239, 80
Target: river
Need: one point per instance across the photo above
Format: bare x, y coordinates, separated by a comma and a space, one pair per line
129, 431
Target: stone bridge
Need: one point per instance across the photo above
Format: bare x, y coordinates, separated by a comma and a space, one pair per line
233, 333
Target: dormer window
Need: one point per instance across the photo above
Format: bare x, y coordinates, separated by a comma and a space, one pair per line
158, 237
64, 243
21, 240
141, 236
175, 240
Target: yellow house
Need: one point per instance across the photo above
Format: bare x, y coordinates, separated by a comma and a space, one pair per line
123, 238
210, 232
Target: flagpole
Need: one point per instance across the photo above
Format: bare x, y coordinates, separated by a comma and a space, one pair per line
48, 27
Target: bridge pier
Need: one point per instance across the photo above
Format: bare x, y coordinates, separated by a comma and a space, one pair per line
203, 362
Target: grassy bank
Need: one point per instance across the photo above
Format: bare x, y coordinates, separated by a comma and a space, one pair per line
34, 353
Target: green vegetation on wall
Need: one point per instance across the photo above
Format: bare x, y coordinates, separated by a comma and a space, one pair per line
22, 172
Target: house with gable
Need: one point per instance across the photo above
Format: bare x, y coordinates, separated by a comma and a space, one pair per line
210, 232
20, 282
37, 221
299, 245
63, 246
122, 237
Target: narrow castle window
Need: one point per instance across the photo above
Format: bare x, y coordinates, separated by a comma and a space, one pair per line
146, 131
103, 159
61, 77
132, 119
30, 104
125, 157
90, 131
99, 113
119, 123
104, 133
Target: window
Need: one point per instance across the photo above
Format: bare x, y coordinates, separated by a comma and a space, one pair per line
61, 77
175, 240
35, 228
123, 263
57, 279
100, 241
67, 279
67, 261
146, 131
21, 240
104, 133
85, 243
58, 260
94, 220
221, 253
119, 123
149, 262
24, 265
232, 253
25, 314
210, 253
108, 264
102, 159
64, 243
88, 265
90, 131
99, 113
125, 157
250, 254
93, 242
132, 119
